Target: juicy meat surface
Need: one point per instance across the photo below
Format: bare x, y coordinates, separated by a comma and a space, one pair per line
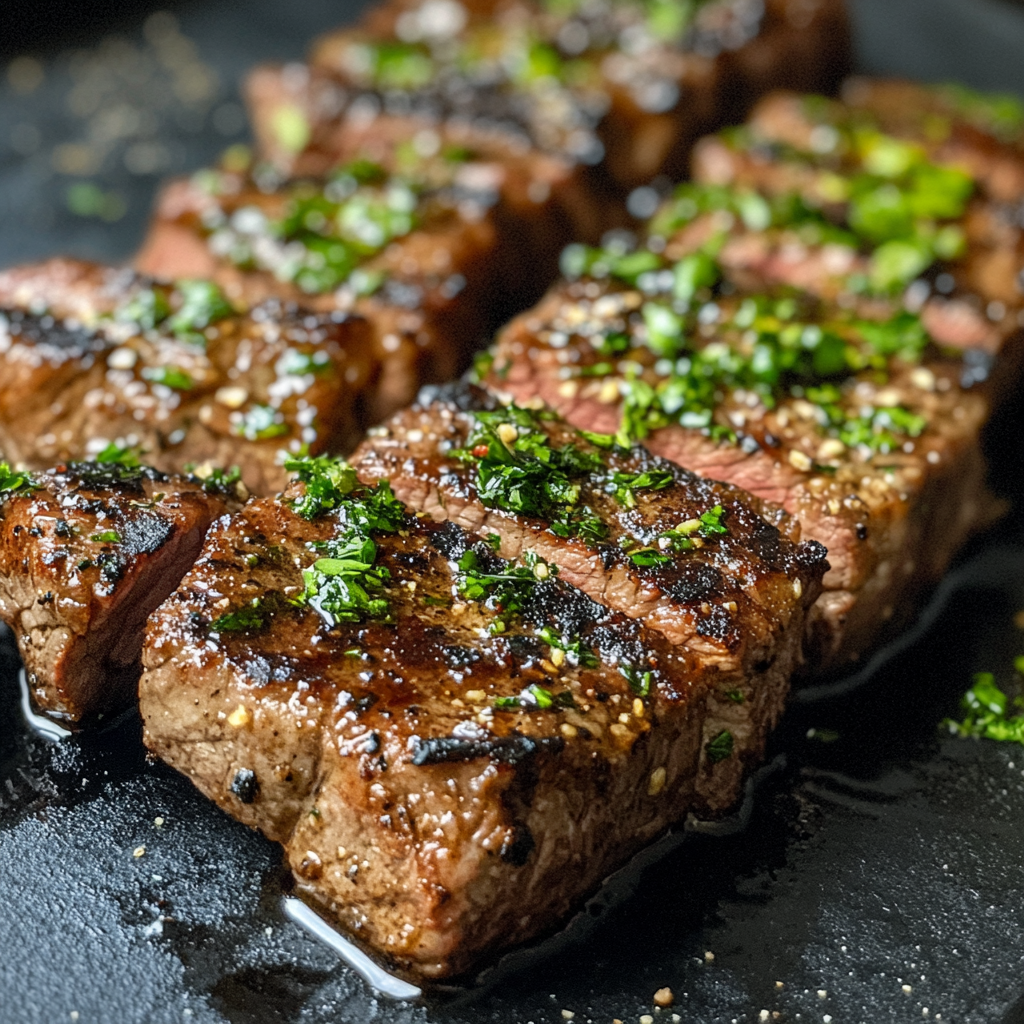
453, 768
93, 355
882, 465
87, 551
629, 533
597, 87
431, 254
844, 183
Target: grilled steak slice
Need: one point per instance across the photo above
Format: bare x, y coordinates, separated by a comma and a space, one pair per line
432, 255
588, 84
87, 551
691, 558
453, 749
864, 431
93, 355
856, 200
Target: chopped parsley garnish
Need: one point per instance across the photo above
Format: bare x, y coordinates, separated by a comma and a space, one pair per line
170, 376
344, 584
216, 480
719, 747
639, 681
517, 470
577, 653
625, 485
13, 481
147, 308
202, 303
261, 423
681, 538
119, 455
107, 537
989, 713
326, 231
248, 619
506, 592
537, 698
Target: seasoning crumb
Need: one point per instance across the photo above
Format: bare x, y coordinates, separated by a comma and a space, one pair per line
827, 1018
268, 931
907, 989
158, 822
664, 997
567, 1014
73, 1015
138, 851
709, 956
763, 1015
779, 984
654, 786
646, 1019
239, 717
822, 993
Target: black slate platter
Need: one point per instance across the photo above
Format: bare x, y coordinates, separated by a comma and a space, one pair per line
878, 876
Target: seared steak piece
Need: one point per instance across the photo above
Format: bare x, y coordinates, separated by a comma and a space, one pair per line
624, 86
452, 748
92, 355
87, 551
689, 557
859, 201
431, 254
863, 430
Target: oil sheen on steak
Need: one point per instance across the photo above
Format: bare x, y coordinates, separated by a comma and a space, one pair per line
448, 776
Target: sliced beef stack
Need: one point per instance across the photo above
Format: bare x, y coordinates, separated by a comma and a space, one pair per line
454, 747
822, 320
92, 355
87, 551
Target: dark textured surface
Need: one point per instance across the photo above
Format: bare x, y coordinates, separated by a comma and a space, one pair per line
880, 855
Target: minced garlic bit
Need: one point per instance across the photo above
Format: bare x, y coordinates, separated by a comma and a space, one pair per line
799, 460
638, 707
709, 956
798, 588
568, 731
541, 571
476, 696
139, 851
655, 785
507, 433
557, 657
240, 717
233, 396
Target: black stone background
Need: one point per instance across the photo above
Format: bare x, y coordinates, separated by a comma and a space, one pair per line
878, 853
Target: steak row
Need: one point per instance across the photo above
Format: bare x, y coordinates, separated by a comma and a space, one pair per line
534, 620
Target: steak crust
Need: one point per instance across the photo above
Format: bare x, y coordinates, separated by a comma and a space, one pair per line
87, 551
82, 370
422, 793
